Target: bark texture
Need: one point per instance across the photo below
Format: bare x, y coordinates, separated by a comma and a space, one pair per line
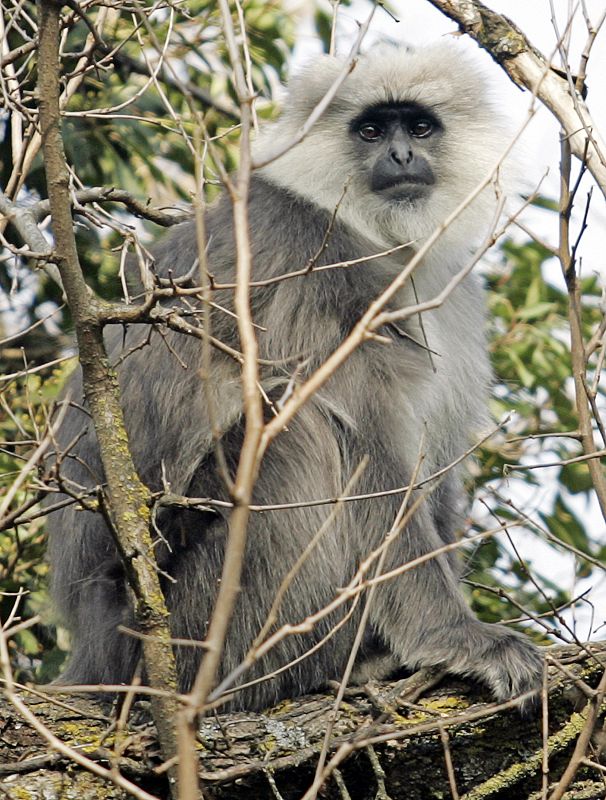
399, 749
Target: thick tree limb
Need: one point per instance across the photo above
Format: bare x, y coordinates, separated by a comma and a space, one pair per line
493, 754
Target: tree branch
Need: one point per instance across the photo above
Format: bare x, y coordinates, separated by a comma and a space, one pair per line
528, 68
493, 751
129, 499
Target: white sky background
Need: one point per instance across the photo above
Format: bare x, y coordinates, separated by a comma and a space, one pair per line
420, 23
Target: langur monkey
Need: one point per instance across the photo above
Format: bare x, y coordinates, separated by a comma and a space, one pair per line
408, 136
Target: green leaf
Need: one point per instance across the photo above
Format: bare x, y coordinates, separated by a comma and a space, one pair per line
576, 478
566, 526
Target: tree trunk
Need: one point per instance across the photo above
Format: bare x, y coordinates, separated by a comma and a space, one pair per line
437, 743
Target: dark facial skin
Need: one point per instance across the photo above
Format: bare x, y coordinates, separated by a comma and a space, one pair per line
396, 140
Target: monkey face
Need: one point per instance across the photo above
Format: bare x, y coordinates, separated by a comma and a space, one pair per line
395, 141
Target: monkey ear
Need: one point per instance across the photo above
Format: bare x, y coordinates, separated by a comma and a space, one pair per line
309, 85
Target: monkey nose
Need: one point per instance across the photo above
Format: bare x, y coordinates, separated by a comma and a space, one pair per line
401, 156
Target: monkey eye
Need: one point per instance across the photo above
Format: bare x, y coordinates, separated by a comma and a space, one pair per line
421, 128
370, 132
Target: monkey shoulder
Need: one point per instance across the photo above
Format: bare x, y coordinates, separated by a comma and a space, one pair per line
285, 231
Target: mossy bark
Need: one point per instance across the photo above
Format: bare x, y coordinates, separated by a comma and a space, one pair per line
398, 750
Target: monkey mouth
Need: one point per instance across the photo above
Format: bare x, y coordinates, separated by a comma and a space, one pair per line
403, 191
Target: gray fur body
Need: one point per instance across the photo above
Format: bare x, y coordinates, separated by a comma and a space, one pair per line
379, 405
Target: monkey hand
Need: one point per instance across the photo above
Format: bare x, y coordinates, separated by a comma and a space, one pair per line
505, 660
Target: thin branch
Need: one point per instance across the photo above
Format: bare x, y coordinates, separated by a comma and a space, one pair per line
528, 68
108, 194
129, 498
